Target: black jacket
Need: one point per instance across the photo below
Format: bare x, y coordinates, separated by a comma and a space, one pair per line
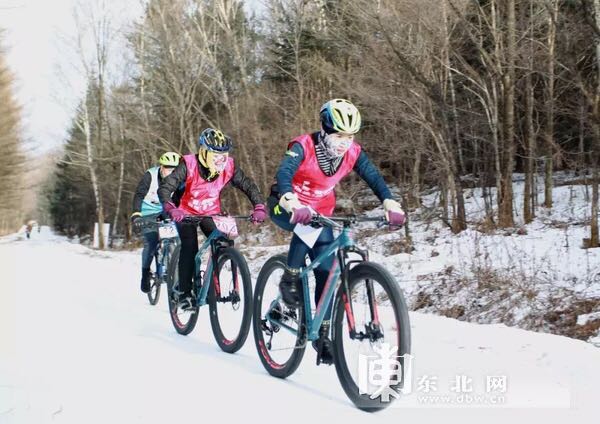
143, 187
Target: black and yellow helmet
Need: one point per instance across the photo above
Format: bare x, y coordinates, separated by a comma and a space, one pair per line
169, 159
215, 141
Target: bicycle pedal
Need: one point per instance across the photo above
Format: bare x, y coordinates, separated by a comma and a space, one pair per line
187, 304
320, 360
327, 359
188, 308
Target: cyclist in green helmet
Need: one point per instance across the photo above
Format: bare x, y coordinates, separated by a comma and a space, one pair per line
146, 204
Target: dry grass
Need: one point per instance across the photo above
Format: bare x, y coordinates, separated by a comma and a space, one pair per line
511, 297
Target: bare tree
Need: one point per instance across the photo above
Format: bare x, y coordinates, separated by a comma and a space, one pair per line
549, 106
594, 234
94, 36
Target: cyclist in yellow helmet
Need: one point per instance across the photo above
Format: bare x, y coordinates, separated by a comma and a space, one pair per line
146, 204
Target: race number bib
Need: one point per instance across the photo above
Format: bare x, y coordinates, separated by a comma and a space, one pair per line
167, 231
308, 234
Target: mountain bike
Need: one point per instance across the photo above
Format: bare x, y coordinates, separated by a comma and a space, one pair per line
369, 316
221, 279
168, 241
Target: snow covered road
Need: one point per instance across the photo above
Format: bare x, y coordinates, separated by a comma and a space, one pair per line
80, 344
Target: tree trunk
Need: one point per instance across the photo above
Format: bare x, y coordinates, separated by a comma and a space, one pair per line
496, 145
530, 154
505, 212
594, 237
457, 137
121, 178
93, 176
414, 198
444, 200
460, 223
549, 132
528, 210
581, 153
299, 32
594, 150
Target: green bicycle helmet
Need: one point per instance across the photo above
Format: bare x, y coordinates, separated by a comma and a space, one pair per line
169, 159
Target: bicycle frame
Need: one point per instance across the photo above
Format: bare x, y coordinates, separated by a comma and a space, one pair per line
210, 267
342, 244
161, 266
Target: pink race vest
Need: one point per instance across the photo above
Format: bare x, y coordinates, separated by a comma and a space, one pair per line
311, 185
202, 197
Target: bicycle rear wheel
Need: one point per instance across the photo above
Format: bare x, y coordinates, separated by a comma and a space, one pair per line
279, 349
377, 312
230, 300
183, 321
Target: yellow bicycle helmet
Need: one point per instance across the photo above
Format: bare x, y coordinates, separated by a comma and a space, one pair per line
169, 159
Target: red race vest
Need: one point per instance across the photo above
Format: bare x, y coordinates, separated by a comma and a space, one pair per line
202, 197
311, 185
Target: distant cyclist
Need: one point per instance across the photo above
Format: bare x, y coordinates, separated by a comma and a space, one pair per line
29, 227
312, 167
146, 204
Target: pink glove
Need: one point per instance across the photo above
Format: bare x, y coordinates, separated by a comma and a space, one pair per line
396, 219
174, 212
259, 214
394, 214
301, 215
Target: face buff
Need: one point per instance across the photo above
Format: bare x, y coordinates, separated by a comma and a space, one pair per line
215, 162
337, 144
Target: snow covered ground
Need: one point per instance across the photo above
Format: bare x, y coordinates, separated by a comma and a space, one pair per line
80, 344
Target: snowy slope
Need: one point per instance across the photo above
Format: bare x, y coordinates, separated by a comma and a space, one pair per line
517, 276
80, 344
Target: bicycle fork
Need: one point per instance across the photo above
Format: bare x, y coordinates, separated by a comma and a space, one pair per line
373, 327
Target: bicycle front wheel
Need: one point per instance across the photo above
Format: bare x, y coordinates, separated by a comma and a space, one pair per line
154, 293
230, 300
371, 324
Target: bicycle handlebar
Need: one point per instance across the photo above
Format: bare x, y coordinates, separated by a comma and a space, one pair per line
347, 221
317, 220
195, 219
154, 222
